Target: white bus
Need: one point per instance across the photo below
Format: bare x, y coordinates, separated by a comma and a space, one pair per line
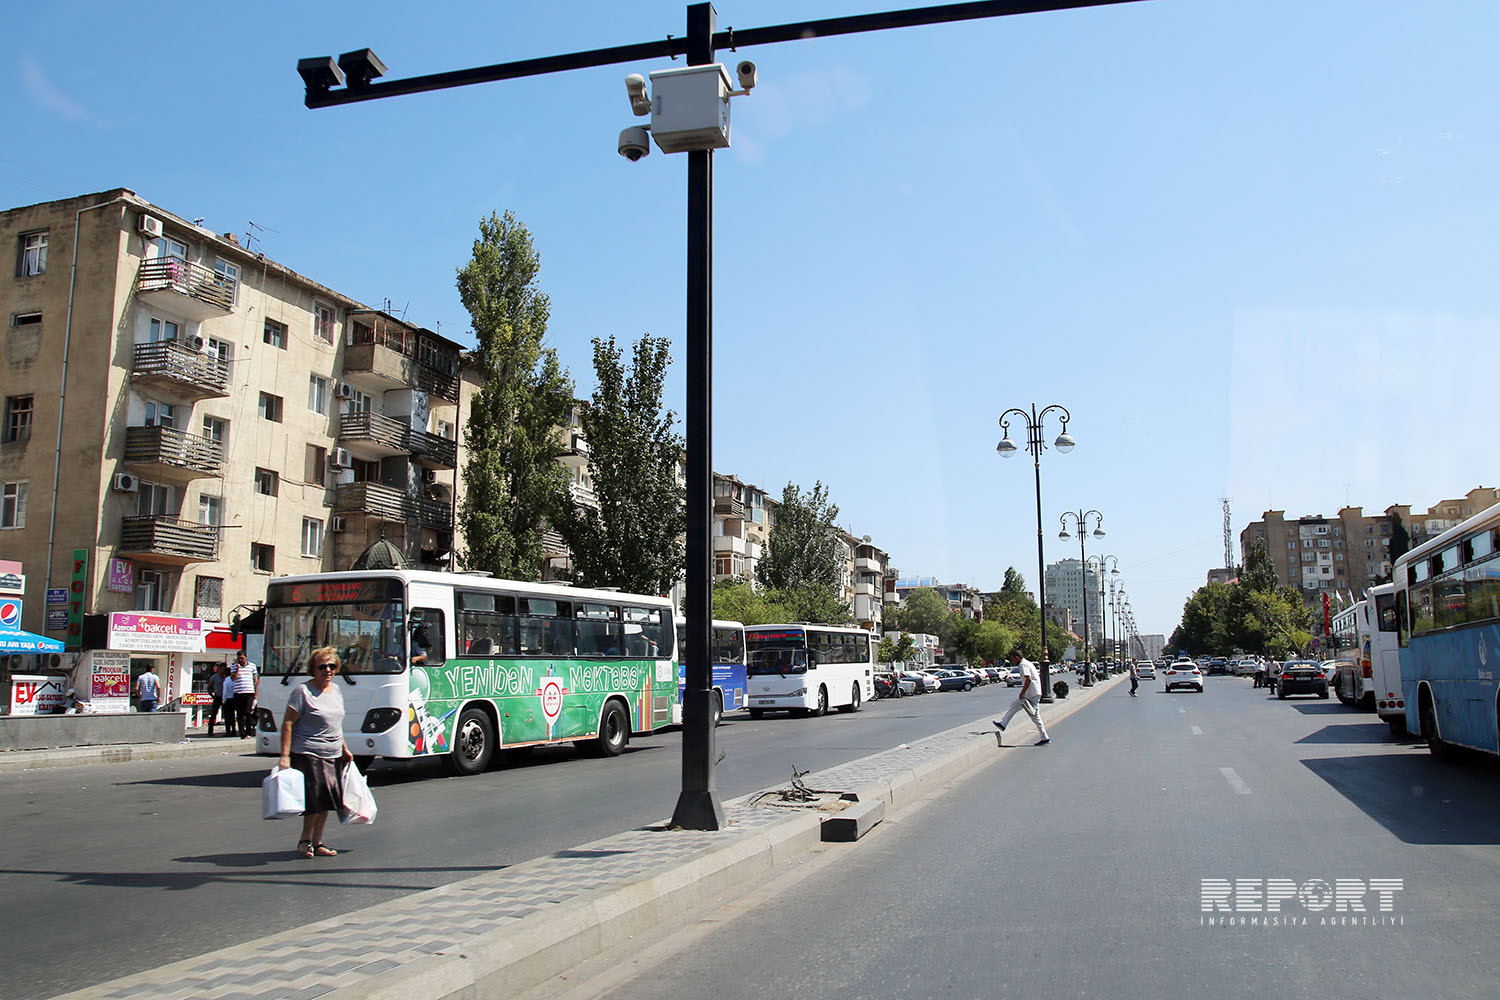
1350, 632
806, 669
1384, 657
460, 665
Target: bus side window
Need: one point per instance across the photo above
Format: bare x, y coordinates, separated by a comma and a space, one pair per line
427, 640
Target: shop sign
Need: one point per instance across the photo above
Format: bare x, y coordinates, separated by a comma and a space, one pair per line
140, 633
34, 694
121, 578
12, 583
77, 596
110, 681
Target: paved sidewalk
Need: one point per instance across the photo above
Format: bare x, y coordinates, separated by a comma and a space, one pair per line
195, 745
497, 934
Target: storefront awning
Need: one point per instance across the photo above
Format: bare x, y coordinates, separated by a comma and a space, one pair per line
14, 640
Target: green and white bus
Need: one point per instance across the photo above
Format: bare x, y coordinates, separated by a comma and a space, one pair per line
462, 665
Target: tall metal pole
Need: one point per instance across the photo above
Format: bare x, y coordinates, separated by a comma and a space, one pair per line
1083, 581
698, 806
1034, 442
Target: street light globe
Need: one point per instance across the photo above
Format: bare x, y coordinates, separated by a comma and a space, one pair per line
1063, 534
1098, 532
1006, 447
1064, 442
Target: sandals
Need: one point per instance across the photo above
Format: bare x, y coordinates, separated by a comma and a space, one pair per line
305, 848
324, 851
308, 849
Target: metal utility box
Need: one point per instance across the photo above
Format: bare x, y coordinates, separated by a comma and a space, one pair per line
690, 108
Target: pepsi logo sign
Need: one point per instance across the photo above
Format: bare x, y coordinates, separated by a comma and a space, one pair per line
10, 613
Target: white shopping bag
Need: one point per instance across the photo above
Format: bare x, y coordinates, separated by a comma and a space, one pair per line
359, 804
283, 793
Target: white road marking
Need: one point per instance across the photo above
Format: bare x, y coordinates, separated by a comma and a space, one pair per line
1197, 731
1235, 781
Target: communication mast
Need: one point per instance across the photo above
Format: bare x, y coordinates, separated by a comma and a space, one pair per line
1228, 536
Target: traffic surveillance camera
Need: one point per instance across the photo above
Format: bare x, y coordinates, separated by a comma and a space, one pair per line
320, 73
361, 66
746, 72
640, 101
635, 142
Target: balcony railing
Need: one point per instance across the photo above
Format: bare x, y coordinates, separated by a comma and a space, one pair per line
729, 543
386, 503
387, 434
160, 538
729, 507
187, 289
172, 447
176, 366
433, 450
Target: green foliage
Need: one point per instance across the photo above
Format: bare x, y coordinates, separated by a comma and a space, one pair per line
801, 550
512, 481
1257, 614
893, 650
632, 537
735, 600
1400, 538
993, 641
924, 610
1014, 610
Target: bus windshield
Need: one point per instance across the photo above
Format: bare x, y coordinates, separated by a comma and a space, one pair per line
776, 661
368, 636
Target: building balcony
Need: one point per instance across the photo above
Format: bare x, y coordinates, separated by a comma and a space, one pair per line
176, 371
386, 503
553, 544
170, 541
172, 454
433, 450
180, 288
372, 436
864, 589
583, 496
730, 543
384, 353
864, 564
729, 507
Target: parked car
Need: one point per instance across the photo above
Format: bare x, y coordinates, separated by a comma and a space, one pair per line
955, 680
924, 679
1184, 673
1145, 670
1301, 677
1330, 667
1246, 667
1218, 665
995, 674
890, 685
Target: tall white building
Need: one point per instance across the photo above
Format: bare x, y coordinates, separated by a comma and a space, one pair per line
1065, 589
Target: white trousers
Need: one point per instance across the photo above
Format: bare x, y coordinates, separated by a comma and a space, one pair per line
1029, 706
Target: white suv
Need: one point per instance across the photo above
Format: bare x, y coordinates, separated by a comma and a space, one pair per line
1184, 673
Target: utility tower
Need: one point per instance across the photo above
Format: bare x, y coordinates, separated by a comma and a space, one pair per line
1228, 536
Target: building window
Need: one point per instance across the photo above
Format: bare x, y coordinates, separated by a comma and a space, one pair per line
208, 598
366, 472
150, 591
161, 330
275, 334
160, 414
26, 319
323, 322
155, 500
360, 402
216, 429
267, 483
317, 465
13, 505
219, 350
317, 393
229, 277
18, 411
210, 510
312, 537
262, 558
270, 407
33, 256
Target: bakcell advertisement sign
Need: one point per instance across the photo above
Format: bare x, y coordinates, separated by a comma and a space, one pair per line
129, 630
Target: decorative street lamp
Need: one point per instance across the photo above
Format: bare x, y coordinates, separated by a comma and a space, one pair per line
1081, 523
1109, 650
1034, 444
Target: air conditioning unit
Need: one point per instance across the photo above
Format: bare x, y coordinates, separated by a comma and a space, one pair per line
126, 483
337, 524
195, 342
150, 225
342, 459
346, 391
429, 476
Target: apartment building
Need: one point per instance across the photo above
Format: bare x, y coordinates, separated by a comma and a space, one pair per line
870, 566
1349, 552
961, 598
193, 417
1067, 582
743, 517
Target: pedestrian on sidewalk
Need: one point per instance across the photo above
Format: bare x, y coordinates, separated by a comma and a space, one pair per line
1135, 678
1260, 674
216, 685
312, 741
148, 686
1028, 699
245, 678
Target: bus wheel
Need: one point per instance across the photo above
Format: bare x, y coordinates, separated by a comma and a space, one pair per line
853, 705
364, 762
1435, 745
473, 743
718, 709
757, 713
614, 732
822, 708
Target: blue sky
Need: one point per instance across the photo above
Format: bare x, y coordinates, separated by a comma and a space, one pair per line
1251, 247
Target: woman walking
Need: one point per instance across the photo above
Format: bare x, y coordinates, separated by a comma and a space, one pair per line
312, 741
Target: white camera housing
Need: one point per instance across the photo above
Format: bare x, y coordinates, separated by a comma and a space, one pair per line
635, 142
746, 73
635, 89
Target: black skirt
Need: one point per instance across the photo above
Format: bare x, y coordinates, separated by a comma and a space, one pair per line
325, 784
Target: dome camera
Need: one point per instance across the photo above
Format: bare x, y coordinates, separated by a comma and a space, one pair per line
635, 142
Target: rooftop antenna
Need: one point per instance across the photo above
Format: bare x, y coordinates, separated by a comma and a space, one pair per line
252, 234
1228, 536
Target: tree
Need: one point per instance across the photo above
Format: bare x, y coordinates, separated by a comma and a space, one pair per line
801, 549
925, 610
892, 650
735, 600
632, 537
1014, 587
1258, 574
1400, 539
994, 641
513, 482
814, 603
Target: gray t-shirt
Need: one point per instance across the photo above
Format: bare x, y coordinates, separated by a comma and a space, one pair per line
319, 729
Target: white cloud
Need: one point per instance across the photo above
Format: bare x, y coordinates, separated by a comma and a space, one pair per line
43, 93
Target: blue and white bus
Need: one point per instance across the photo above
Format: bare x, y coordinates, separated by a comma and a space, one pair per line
728, 659
1448, 615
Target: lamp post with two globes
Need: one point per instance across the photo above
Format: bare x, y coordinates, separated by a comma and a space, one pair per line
1081, 521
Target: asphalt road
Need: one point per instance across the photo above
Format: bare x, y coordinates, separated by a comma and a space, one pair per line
113, 869
1074, 870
